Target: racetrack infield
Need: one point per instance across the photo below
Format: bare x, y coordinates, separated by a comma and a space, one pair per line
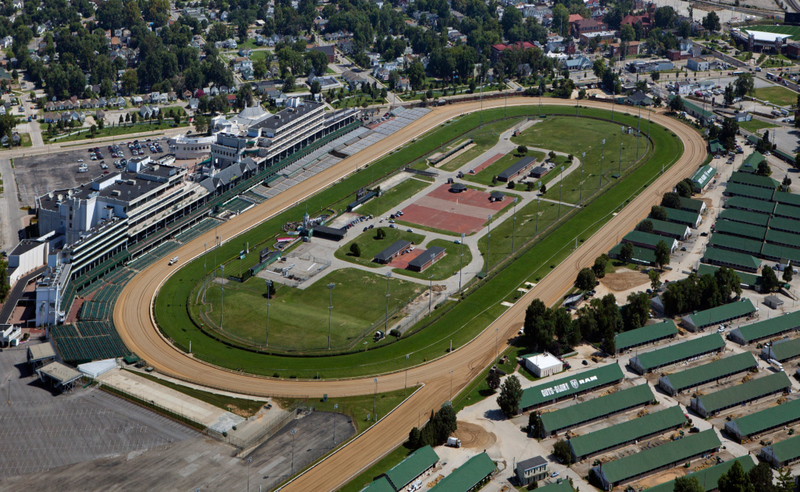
132, 314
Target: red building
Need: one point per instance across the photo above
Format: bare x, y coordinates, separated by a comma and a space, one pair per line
499, 49
583, 26
633, 48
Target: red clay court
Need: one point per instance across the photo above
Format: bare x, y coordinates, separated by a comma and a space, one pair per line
465, 212
488, 163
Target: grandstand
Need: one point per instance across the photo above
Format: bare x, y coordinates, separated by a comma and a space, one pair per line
204, 225
237, 205
87, 341
150, 257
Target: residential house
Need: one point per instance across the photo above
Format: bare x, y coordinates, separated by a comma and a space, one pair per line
147, 111
578, 64
241, 64
698, 64
193, 102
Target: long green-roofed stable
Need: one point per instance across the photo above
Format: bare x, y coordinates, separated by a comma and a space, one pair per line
467, 476
786, 198
764, 421
747, 231
657, 458
782, 453
626, 432
588, 411
650, 361
737, 244
785, 225
754, 389
720, 314
731, 259
379, 485
708, 477
707, 373
746, 279
413, 466
647, 240
644, 256
765, 329
771, 251
691, 219
754, 180
783, 238
788, 211
670, 229
692, 205
736, 215
783, 350
562, 486
738, 189
749, 204
569, 386
751, 162
644, 335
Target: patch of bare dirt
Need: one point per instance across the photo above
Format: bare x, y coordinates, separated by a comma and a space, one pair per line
624, 280
474, 436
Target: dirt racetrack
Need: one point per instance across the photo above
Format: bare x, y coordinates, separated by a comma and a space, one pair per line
133, 315
474, 436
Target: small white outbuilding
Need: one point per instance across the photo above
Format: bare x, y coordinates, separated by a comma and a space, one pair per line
543, 365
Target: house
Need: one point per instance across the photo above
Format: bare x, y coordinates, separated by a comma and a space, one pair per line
163, 98
639, 98
7, 41
578, 64
245, 52
354, 80
241, 64
634, 48
137, 101
328, 51
147, 112
531, 470
99, 115
499, 49
698, 64
193, 102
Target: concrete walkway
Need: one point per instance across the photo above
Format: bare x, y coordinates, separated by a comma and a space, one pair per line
10, 214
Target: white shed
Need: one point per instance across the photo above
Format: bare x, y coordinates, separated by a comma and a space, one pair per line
543, 365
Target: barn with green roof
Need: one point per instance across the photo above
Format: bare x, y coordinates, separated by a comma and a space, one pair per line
755, 389
764, 421
707, 373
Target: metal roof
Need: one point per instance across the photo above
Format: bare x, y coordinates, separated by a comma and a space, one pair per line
754, 180
680, 351
593, 409
425, 257
740, 229
531, 463
771, 250
745, 278
645, 334
516, 167
722, 313
562, 486
783, 238
786, 349
392, 250
737, 189
627, 431
787, 198
467, 476
787, 450
708, 477
732, 258
703, 176
642, 255
752, 161
40, 351
736, 215
670, 228
768, 328
691, 205
570, 385
735, 243
782, 224
659, 456
711, 371
783, 210
413, 466
769, 418
60, 372
755, 388
749, 204
379, 485
682, 216
647, 238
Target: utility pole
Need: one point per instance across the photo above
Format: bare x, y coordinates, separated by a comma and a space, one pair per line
461, 270
330, 311
269, 288
514, 226
222, 296
580, 196
560, 190
386, 325
430, 296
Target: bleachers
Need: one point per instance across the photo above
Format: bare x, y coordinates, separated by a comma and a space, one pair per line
151, 256
237, 205
88, 340
198, 229
254, 197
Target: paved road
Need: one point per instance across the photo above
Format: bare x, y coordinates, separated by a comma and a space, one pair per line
9, 207
133, 317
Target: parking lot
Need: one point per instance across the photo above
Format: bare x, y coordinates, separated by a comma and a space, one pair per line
37, 175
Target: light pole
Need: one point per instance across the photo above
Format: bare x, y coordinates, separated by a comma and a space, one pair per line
386, 326
560, 190
248, 473
451, 387
269, 288
330, 311
222, 296
488, 239
430, 296
375, 400
294, 431
205, 260
537, 216
580, 196
602, 156
514, 226
461, 270
335, 406
619, 170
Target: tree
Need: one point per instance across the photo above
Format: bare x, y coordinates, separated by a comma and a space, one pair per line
288, 83
761, 477
676, 104
380, 234
688, 484
271, 290
522, 149
627, 33
663, 252
658, 213
787, 273
626, 252
763, 169
355, 250
130, 82
534, 424
510, 396
493, 380
786, 183
562, 452
655, 279
711, 22
684, 190
671, 200
177, 118
609, 344
200, 123
646, 226
636, 312
785, 480
544, 189
586, 279
735, 480
414, 438
93, 130
684, 29
599, 267
416, 75
744, 84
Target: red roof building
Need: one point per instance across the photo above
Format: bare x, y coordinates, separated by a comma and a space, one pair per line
498, 49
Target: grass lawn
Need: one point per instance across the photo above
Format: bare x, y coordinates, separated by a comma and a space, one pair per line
260, 55
25, 140
485, 176
109, 131
777, 95
392, 197
753, 126
445, 267
458, 322
370, 244
239, 406
358, 407
484, 139
571, 136
299, 318
357, 101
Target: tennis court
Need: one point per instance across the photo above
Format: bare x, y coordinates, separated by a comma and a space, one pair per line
442, 209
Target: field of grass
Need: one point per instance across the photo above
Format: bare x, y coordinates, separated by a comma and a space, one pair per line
794, 31
391, 198
753, 126
457, 322
358, 407
370, 245
109, 131
484, 139
357, 101
25, 140
486, 175
240, 406
777, 95
359, 301
445, 267
571, 136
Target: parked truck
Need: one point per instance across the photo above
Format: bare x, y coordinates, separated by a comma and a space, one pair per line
453, 442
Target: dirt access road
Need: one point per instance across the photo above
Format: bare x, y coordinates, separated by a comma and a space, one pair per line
134, 321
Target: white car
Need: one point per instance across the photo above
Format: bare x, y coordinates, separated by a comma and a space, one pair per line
554, 474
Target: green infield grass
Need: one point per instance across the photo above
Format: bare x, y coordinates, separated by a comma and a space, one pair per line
486, 175
484, 139
753, 126
777, 95
370, 245
391, 198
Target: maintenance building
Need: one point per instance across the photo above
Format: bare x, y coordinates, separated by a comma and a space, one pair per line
390, 253
41, 354
719, 314
707, 373
764, 421
782, 350
708, 477
627, 432
654, 459
470, 476
330, 233
517, 169
410, 469
731, 259
650, 361
597, 408
570, 386
543, 365
782, 453
772, 327
426, 259
645, 335
531, 470
713, 403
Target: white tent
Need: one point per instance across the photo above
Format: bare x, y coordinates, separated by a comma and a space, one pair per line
98, 367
